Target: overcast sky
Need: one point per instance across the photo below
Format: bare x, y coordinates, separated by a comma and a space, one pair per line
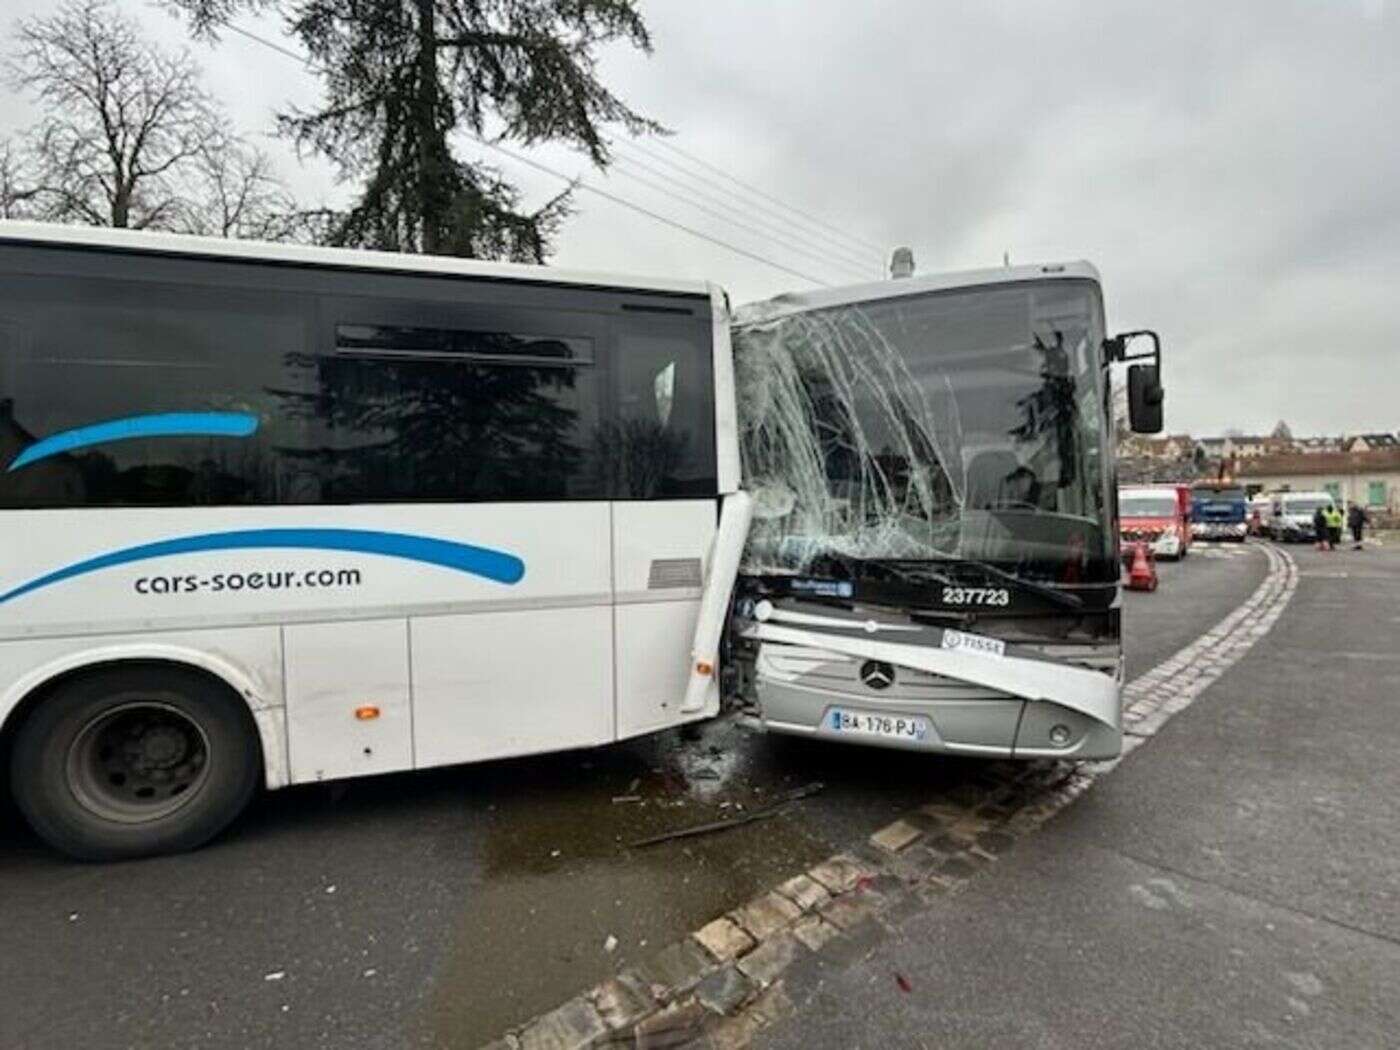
1232, 168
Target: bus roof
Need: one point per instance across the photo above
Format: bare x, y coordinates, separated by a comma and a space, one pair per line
106, 238
829, 298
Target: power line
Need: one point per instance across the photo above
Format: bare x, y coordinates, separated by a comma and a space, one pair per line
826, 241
825, 259
770, 198
650, 214
573, 182
771, 226
272, 44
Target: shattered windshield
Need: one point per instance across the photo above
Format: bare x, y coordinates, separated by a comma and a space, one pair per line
936, 426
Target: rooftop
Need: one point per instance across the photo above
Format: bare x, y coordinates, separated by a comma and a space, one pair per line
1320, 463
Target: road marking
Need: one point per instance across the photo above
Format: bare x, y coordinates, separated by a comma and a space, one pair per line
1173, 685
892, 879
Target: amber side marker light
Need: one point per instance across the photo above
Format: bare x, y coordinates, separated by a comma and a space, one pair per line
705, 668
366, 713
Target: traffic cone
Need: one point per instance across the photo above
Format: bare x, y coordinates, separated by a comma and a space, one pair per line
1143, 575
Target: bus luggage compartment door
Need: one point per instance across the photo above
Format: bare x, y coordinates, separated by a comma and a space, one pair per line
660, 553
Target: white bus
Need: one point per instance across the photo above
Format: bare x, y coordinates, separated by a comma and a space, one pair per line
285, 514
934, 560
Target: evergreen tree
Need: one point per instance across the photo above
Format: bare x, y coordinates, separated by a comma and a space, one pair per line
399, 76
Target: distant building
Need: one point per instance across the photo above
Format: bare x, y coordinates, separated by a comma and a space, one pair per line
1313, 445
1253, 447
1370, 442
1162, 450
1241, 446
1370, 478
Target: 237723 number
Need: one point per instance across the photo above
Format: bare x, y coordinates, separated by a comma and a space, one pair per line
988, 596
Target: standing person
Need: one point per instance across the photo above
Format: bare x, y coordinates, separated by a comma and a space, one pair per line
1356, 519
1334, 526
1320, 528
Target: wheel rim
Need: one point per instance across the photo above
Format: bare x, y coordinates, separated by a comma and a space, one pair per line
138, 762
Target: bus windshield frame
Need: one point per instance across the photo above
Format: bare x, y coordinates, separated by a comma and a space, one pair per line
949, 426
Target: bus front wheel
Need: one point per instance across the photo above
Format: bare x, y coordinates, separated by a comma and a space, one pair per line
134, 761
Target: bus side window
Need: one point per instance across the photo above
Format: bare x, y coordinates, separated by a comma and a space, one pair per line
660, 442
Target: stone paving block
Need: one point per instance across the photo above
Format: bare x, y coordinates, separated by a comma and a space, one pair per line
773, 1005
814, 931
915, 864
623, 1000
943, 810
946, 843
724, 990
734, 1033
848, 912
967, 796
957, 868
807, 893
724, 939
765, 963
678, 1025
573, 1026
840, 873
678, 967
766, 915
894, 837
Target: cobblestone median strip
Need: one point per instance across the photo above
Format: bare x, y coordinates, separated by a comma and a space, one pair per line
727, 980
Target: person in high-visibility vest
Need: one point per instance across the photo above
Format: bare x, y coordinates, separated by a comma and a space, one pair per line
1334, 525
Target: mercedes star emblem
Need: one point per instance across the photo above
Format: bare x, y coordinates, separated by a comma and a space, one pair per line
876, 674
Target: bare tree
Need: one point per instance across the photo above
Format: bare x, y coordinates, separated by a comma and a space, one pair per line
123, 121
232, 190
18, 189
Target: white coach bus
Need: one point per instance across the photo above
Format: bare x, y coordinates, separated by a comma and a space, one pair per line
287, 514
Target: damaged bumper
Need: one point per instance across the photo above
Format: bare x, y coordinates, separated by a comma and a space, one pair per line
933, 698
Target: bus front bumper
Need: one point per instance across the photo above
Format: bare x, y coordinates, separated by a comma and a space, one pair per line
1219, 530
912, 698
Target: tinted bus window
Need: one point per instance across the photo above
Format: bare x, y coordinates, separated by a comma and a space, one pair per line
123, 392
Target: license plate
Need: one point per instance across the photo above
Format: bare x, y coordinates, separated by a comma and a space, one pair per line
973, 643
866, 723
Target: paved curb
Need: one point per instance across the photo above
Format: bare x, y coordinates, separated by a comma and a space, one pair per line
726, 981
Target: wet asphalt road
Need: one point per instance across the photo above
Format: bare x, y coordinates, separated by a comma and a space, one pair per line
438, 909
1234, 883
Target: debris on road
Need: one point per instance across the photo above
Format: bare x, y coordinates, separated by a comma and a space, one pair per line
275, 975
619, 799
771, 810
610, 945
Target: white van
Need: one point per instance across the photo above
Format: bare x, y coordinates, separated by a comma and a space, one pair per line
1292, 519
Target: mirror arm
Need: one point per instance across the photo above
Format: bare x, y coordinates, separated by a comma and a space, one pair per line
1116, 347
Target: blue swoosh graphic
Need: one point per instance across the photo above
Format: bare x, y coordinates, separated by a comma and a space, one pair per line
478, 561
169, 424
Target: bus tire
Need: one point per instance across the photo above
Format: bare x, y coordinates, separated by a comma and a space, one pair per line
135, 761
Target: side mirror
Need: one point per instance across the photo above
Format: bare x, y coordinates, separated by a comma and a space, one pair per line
1144, 381
1145, 398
